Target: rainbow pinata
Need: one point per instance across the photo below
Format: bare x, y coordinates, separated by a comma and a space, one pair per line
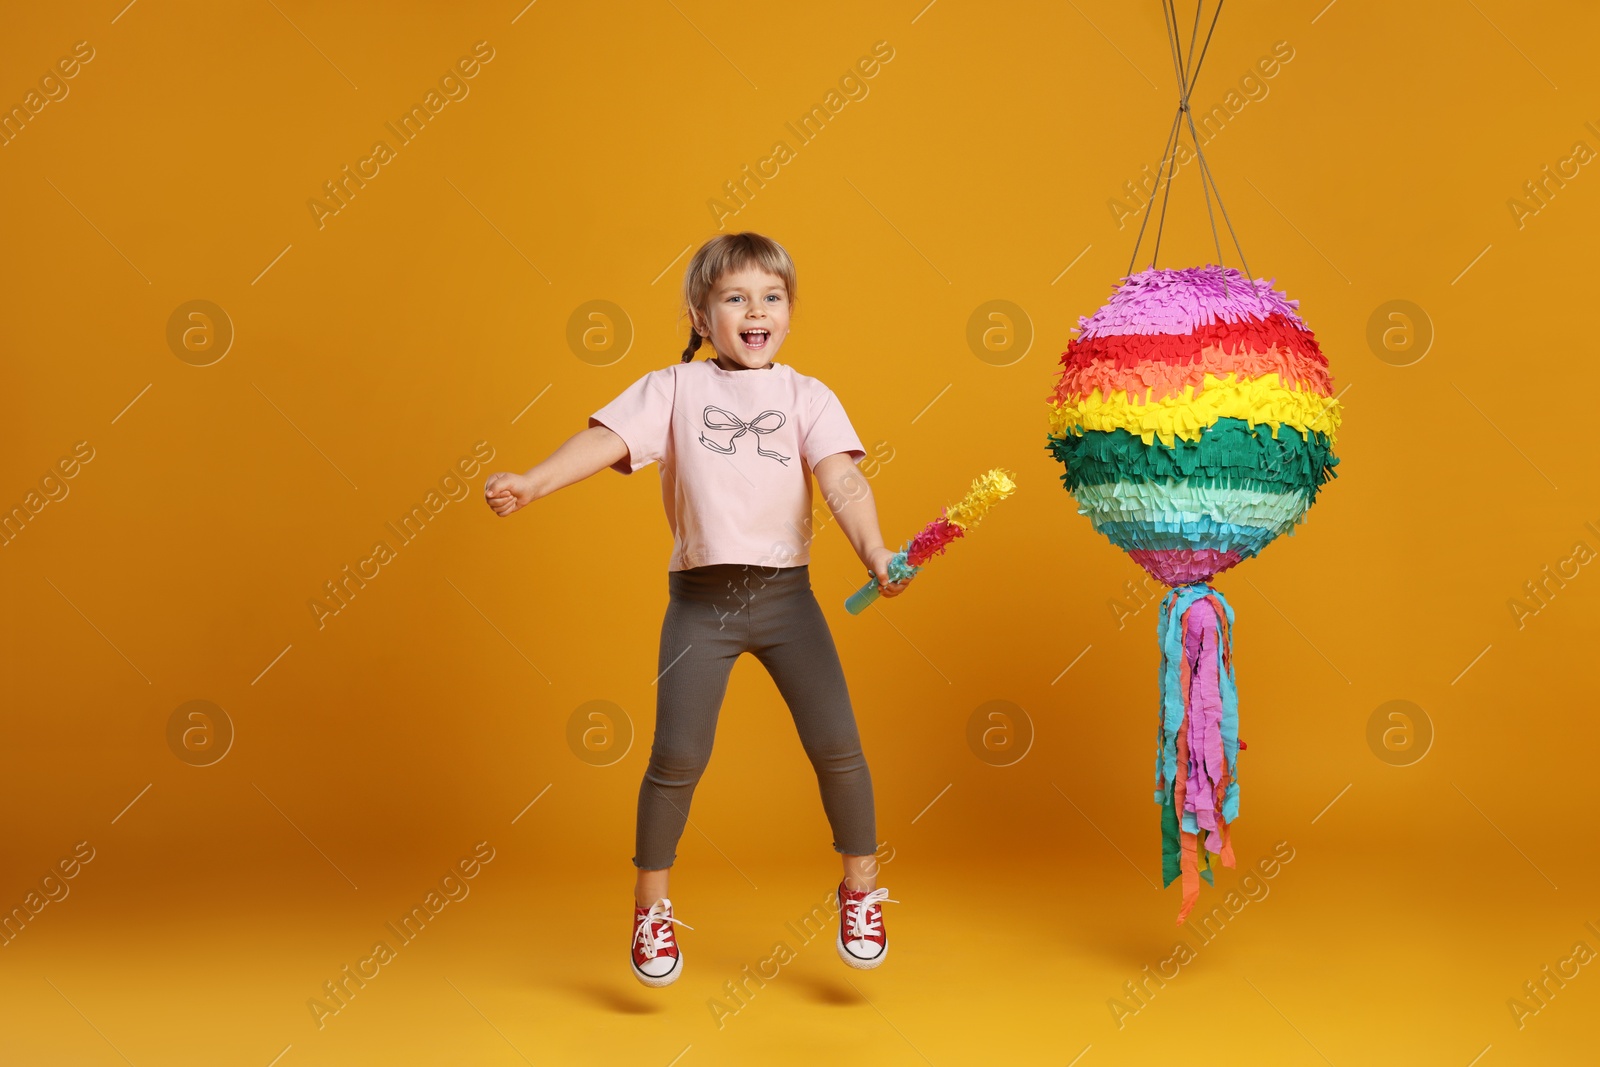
1171, 414
1195, 419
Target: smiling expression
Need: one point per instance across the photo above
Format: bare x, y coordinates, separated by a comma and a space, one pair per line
748, 318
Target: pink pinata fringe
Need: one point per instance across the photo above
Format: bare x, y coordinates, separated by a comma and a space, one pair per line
1178, 301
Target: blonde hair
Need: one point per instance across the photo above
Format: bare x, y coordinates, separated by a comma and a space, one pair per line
721, 255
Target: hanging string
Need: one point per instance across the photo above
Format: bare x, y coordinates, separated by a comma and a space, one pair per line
1169, 14
1170, 24
1166, 156
1186, 67
1207, 176
1167, 171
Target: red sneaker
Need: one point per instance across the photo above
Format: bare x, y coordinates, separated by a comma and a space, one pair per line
656, 959
862, 941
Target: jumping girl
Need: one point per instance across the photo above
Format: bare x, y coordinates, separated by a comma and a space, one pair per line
738, 437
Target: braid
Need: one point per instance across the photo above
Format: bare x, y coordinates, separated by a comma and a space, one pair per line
695, 341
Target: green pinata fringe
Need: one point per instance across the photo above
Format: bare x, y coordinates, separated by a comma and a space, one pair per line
1231, 453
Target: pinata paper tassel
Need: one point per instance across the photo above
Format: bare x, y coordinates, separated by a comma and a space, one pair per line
1197, 760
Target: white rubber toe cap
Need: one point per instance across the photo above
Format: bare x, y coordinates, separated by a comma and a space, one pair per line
663, 970
862, 955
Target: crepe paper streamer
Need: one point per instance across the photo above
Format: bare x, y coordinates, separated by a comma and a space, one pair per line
988, 489
1195, 420
1197, 762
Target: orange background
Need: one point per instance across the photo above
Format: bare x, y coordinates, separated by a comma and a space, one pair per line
372, 352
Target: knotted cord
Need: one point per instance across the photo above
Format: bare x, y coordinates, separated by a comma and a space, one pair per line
1187, 69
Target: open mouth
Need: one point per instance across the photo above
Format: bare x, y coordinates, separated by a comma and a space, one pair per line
754, 340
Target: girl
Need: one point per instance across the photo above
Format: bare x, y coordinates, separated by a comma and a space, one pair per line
738, 436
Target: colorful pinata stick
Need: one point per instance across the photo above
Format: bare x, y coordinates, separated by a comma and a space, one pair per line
987, 490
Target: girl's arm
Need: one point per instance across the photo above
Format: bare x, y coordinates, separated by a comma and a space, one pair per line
850, 498
584, 453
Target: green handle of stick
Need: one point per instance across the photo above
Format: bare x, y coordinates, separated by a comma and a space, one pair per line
862, 598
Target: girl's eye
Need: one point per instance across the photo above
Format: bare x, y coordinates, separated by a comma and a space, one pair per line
774, 296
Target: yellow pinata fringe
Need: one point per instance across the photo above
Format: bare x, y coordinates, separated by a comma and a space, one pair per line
988, 489
1187, 414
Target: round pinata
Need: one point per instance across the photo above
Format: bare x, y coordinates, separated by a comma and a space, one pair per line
1195, 418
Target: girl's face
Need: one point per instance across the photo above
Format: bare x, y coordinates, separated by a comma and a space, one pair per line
748, 318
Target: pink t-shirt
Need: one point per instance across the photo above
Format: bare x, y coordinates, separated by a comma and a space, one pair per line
736, 450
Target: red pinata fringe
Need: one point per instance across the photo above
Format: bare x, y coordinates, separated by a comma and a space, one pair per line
1130, 350
932, 540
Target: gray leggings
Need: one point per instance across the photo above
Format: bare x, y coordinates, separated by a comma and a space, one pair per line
714, 614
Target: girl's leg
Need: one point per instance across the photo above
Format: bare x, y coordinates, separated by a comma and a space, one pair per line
861, 873
702, 634
650, 886
793, 643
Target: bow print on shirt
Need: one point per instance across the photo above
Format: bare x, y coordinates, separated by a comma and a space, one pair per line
727, 420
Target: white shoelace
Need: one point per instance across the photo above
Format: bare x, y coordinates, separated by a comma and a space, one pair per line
651, 941
860, 923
